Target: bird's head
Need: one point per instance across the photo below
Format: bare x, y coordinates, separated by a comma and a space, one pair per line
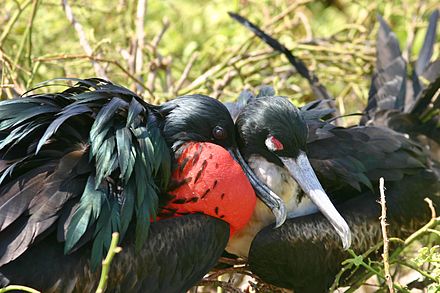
201, 119
197, 118
273, 128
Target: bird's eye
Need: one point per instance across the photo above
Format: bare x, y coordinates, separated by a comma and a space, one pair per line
219, 133
273, 144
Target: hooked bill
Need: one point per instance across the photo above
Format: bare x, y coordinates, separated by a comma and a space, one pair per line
301, 170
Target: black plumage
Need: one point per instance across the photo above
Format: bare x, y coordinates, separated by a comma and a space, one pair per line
407, 105
94, 159
304, 254
158, 267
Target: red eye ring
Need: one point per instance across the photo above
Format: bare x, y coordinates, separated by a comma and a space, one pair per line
273, 144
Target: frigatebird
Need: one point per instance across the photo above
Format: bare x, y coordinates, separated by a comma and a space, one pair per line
94, 159
304, 254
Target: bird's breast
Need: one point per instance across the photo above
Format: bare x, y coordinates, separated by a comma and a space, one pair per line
280, 181
213, 183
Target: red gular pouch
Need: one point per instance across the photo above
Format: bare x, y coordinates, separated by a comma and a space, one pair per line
211, 182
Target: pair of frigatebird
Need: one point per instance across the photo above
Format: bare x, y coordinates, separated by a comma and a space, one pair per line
304, 253
94, 159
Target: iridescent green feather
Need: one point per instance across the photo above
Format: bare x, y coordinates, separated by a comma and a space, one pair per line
128, 157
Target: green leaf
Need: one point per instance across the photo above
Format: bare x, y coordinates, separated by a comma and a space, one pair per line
357, 261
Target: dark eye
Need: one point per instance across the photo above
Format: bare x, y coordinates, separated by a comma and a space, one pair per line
219, 133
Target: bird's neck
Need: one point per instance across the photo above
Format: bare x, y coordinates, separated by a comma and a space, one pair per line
278, 180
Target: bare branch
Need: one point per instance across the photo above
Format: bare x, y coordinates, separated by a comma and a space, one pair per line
158, 38
431, 207
97, 59
383, 224
82, 38
140, 35
186, 71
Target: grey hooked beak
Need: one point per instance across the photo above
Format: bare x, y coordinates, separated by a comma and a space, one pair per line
301, 170
264, 193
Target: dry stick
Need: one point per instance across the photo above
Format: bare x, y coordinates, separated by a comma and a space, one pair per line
231, 271
152, 74
239, 267
12, 21
113, 250
26, 33
140, 34
82, 38
185, 73
139, 42
383, 224
97, 59
168, 61
158, 38
6, 75
305, 22
10, 63
433, 222
29, 51
239, 53
286, 11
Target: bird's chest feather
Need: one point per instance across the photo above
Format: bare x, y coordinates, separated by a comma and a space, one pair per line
279, 180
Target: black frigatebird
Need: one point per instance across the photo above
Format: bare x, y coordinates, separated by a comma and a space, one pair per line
94, 159
272, 138
304, 254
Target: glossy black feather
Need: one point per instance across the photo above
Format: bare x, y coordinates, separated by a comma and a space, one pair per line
428, 44
312, 257
99, 108
305, 254
388, 85
394, 102
94, 159
156, 267
318, 89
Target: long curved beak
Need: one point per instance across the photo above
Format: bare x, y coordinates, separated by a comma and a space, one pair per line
264, 193
301, 170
